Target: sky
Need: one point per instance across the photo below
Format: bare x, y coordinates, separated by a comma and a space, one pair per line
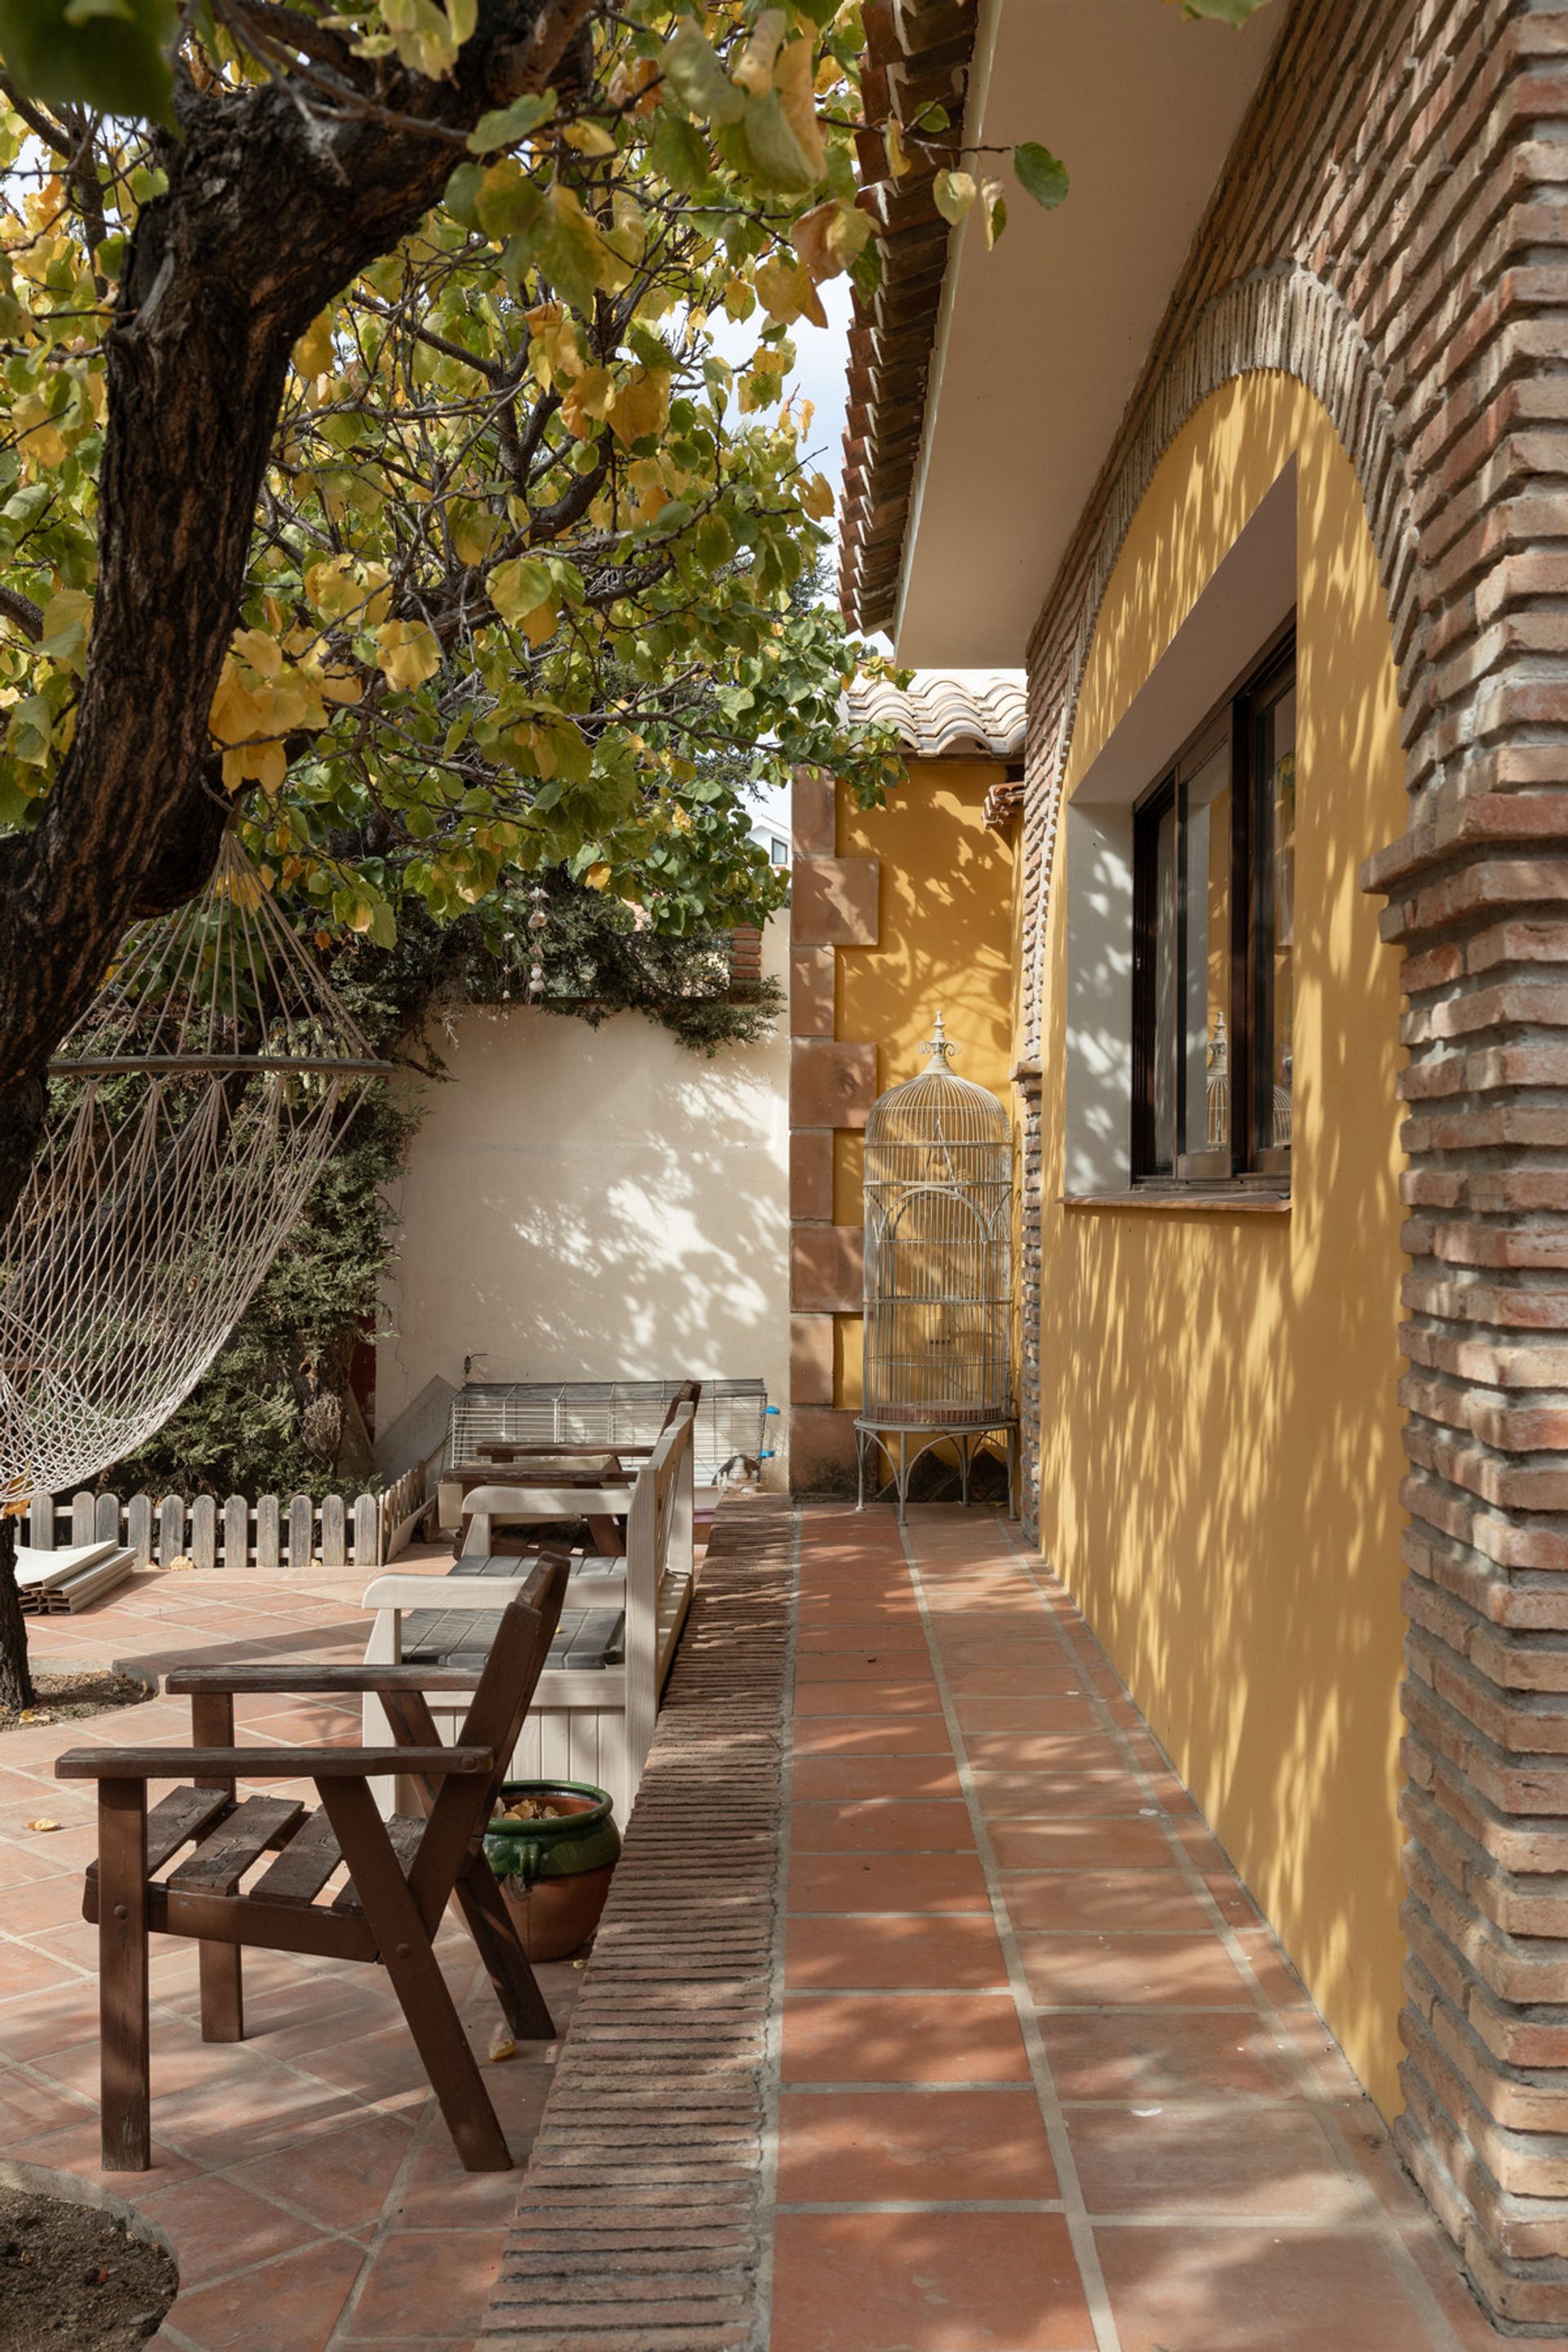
821, 358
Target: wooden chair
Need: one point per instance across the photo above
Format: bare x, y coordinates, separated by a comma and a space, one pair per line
401, 1873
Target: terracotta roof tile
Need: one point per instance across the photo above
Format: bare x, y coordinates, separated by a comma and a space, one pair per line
946, 713
919, 53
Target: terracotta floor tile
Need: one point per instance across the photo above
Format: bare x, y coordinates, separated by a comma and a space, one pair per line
898, 1632
835, 1776
1055, 1796
1183, 2160
1085, 1844
1068, 1901
887, 1882
373, 2066
1044, 1751
217, 2227
869, 1665
885, 1824
76, 2147
1145, 1971
902, 2038
1274, 1972
959, 1648
927, 2282
28, 2106
862, 1698
1193, 2289
830, 1734
869, 2147
291, 2305
1048, 1677
1051, 1713
1155, 2054
421, 2284
343, 2177
253, 2106
959, 1950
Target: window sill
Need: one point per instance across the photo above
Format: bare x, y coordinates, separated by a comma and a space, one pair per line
1230, 1201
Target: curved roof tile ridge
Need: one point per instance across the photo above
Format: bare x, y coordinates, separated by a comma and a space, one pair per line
943, 712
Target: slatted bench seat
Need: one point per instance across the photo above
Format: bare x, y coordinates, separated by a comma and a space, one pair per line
597, 1701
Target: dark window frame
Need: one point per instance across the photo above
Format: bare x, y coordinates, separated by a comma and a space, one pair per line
1248, 1163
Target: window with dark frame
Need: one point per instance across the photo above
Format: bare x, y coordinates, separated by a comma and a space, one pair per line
1213, 911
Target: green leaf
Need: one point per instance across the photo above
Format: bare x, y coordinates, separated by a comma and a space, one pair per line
106, 54
679, 153
571, 253
1226, 12
1040, 173
509, 123
507, 204
777, 158
697, 76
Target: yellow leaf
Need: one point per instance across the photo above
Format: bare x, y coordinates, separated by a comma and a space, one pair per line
539, 625
520, 587
37, 435
640, 404
262, 651
893, 141
788, 293
754, 69
313, 352
407, 653
585, 399
341, 686
597, 877
793, 79
589, 139
43, 1822
953, 193
819, 500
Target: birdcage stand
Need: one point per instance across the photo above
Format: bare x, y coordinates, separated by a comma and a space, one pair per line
891, 1440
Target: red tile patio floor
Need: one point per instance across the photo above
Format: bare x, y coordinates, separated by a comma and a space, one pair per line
1048, 2082
305, 2177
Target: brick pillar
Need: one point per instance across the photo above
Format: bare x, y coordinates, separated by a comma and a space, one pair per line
1480, 901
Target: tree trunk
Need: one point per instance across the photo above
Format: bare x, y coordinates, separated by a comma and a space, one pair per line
269, 214
15, 1679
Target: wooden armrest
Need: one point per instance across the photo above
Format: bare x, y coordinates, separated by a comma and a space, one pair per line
315, 1681
266, 1763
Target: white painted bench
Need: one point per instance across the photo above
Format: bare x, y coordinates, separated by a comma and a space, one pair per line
594, 1723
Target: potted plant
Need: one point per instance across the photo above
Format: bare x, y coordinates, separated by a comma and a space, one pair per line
552, 1845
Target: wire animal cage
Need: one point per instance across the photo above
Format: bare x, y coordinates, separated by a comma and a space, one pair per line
938, 1318
731, 1417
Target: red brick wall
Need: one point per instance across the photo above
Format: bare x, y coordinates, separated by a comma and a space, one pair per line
1391, 228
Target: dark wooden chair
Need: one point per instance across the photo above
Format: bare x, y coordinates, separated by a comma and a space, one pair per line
401, 1873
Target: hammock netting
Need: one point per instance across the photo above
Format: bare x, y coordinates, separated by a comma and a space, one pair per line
191, 1110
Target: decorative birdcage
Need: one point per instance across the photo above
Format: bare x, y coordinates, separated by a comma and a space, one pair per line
191, 1109
938, 1215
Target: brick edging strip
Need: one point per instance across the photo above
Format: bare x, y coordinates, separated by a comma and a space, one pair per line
638, 2224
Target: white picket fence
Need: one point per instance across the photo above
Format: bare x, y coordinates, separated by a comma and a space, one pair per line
273, 1532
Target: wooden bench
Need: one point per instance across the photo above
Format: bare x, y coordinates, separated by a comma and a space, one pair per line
589, 1721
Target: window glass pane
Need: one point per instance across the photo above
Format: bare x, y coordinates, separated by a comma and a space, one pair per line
1276, 909
1166, 989
1206, 1044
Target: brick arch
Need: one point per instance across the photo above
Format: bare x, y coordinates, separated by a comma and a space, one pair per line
1289, 321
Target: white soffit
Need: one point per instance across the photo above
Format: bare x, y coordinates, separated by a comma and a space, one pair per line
1251, 593
1042, 339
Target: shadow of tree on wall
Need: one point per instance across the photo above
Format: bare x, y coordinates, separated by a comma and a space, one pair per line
1221, 1443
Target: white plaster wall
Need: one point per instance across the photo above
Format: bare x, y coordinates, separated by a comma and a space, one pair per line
593, 1204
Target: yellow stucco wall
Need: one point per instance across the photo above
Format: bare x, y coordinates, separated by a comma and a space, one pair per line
1220, 1442
944, 945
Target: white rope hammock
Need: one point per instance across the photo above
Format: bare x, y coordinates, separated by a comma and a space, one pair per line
191, 1109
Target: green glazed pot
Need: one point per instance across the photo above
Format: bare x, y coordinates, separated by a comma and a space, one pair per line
555, 1874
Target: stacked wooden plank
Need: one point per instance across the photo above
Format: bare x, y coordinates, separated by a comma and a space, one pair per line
54, 1584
